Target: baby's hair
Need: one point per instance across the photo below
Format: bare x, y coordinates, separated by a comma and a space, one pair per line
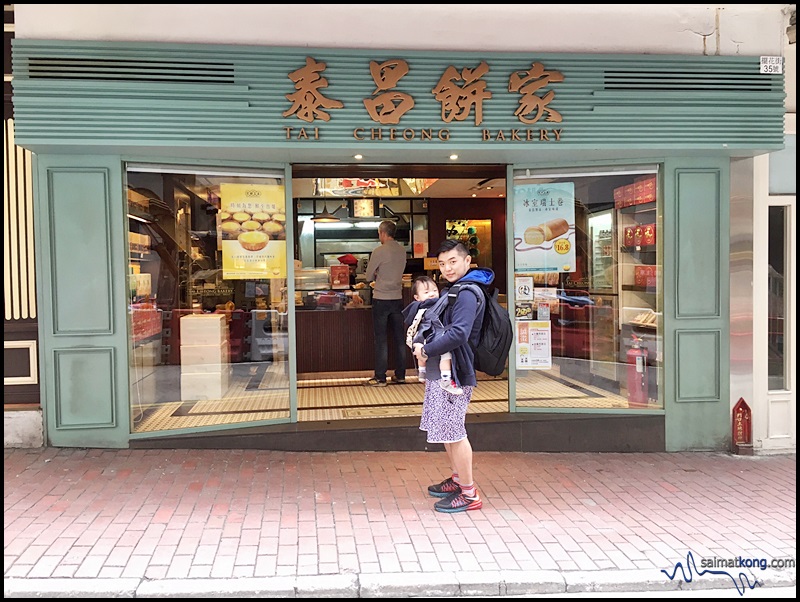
422, 281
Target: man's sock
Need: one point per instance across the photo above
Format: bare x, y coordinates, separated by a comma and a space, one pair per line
469, 490
455, 478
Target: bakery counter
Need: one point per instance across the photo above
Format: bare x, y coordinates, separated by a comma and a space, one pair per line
337, 340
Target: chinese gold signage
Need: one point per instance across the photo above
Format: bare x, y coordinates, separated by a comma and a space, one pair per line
252, 228
461, 93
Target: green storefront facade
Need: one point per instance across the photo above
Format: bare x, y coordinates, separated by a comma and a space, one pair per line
87, 110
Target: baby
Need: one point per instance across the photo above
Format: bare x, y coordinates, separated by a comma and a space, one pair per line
426, 294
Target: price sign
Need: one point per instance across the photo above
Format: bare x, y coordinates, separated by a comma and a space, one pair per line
771, 64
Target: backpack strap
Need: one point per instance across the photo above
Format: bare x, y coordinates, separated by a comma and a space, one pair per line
452, 292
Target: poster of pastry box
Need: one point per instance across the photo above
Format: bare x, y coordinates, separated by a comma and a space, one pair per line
544, 227
251, 225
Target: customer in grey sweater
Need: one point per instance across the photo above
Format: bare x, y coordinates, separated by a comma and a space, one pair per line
386, 266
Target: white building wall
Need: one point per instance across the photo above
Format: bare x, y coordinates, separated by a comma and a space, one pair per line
714, 29
688, 29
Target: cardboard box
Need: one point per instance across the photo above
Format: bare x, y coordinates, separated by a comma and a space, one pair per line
199, 359
211, 385
138, 200
204, 329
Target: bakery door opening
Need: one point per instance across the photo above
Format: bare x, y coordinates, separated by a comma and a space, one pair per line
336, 234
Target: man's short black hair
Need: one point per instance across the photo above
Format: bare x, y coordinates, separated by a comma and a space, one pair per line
450, 244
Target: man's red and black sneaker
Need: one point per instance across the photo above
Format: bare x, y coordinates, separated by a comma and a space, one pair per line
445, 488
458, 502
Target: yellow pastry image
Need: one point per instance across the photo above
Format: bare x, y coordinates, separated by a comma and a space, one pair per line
536, 235
261, 216
223, 216
229, 229
251, 225
253, 240
274, 229
279, 217
241, 216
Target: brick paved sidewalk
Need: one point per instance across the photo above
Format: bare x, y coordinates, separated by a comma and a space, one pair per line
364, 520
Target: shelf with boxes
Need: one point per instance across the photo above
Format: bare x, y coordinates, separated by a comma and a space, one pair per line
637, 226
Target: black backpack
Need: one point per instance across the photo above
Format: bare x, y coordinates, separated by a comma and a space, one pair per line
497, 333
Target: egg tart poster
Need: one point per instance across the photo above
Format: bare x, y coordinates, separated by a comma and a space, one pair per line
544, 227
251, 227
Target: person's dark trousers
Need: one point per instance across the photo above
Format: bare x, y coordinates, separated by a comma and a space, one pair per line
388, 314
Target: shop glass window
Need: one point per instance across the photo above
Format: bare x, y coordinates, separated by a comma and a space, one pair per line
777, 300
783, 168
587, 289
207, 298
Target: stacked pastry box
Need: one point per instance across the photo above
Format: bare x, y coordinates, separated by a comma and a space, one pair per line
639, 235
205, 356
645, 275
145, 321
643, 190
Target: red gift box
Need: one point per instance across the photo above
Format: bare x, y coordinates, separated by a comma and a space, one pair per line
648, 189
640, 275
627, 195
628, 236
648, 234
619, 195
638, 192
638, 236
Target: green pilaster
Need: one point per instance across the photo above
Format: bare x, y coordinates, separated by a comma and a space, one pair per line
81, 249
696, 303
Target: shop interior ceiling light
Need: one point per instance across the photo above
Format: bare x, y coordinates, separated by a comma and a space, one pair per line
325, 217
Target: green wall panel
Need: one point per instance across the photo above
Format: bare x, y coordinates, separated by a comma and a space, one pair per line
697, 249
696, 303
80, 251
81, 402
81, 270
699, 360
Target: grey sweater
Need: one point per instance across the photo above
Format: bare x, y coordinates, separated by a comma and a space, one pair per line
386, 266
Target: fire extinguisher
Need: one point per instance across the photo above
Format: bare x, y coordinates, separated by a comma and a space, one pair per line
637, 374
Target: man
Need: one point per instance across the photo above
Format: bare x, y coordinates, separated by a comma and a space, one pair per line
351, 261
386, 266
444, 413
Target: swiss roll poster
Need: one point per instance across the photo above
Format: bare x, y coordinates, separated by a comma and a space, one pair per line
544, 227
252, 228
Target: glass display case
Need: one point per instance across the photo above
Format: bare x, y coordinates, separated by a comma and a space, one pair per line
603, 342
602, 250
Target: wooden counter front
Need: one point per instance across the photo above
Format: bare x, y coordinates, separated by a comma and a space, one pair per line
338, 341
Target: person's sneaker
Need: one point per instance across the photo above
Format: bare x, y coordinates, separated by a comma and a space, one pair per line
445, 488
374, 382
398, 381
458, 502
451, 387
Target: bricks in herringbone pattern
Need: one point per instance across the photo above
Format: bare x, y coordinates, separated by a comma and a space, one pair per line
201, 513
